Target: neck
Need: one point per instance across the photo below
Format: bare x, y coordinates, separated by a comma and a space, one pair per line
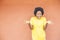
38, 17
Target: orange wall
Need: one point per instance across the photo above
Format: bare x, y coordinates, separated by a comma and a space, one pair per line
14, 13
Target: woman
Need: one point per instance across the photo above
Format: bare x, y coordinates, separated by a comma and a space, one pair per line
38, 24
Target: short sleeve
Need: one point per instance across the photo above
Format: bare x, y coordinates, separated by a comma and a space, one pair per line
31, 21
44, 22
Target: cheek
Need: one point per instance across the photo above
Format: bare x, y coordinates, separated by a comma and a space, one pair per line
37, 14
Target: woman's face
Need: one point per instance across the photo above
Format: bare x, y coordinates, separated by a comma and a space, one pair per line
38, 14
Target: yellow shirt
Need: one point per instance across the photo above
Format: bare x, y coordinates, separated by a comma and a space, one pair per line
38, 32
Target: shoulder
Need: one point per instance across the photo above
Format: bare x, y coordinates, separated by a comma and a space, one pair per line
33, 17
32, 20
44, 18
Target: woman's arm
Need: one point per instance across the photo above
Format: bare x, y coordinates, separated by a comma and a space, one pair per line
46, 26
31, 26
48, 22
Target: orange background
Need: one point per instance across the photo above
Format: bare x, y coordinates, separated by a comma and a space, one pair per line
14, 13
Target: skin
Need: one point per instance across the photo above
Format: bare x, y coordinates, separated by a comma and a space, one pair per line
38, 14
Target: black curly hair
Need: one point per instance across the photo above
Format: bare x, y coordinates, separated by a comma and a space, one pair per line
38, 9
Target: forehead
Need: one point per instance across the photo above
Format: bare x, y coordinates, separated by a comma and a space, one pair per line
38, 11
